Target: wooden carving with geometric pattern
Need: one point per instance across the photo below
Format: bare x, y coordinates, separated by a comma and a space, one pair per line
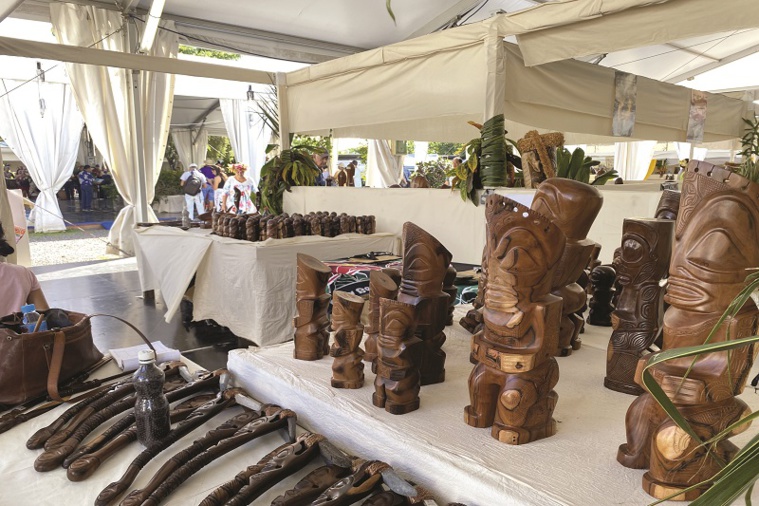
311, 302
347, 369
381, 286
511, 385
716, 237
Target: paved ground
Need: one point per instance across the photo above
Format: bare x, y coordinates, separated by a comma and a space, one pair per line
71, 246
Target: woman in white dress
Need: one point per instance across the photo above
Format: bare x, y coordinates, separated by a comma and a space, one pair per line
239, 192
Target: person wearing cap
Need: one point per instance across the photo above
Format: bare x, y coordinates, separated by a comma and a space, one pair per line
238, 192
19, 284
208, 191
322, 162
193, 201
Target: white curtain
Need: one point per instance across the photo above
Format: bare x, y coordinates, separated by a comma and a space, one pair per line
105, 97
383, 168
191, 144
632, 159
41, 124
247, 134
683, 150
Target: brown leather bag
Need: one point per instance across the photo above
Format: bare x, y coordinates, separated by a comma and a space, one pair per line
34, 363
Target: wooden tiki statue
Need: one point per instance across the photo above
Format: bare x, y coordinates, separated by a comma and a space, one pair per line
347, 369
637, 319
449, 287
511, 385
425, 262
381, 286
716, 234
311, 302
539, 156
669, 204
572, 206
397, 382
602, 282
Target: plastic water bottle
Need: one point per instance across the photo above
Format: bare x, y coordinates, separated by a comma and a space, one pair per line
30, 318
151, 409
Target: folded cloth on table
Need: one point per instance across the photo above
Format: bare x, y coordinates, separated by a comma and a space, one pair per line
126, 358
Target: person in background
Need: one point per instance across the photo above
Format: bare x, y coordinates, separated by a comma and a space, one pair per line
322, 162
208, 191
351, 170
69, 186
217, 183
239, 192
193, 201
86, 181
23, 181
19, 284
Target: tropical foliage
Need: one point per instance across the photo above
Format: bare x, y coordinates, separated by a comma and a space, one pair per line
208, 53
750, 151
436, 171
291, 167
576, 165
219, 148
493, 166
466, 176
168, 183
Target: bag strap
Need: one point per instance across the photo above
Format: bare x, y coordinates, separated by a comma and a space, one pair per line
59, 347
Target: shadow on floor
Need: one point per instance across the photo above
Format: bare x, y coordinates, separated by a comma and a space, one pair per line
114, 288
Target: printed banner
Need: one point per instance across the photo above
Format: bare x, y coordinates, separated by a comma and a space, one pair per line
696, 117
625, 95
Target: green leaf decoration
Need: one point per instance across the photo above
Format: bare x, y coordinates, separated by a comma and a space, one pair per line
493, 170
390, 10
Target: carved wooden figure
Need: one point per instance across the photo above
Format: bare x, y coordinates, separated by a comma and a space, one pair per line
449, 287
539, 156
425, 262
716, 234
572, 206
381, 286
668, 206
347, 369
312, 301
637, 319
602, 279
511, 386
397, 382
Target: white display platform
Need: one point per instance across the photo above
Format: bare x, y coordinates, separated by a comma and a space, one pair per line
577, 466
170, 204
459, 225
246, 286
22, 485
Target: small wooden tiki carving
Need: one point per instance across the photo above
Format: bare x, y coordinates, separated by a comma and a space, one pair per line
342, 178
347, 369
312, 301
669, 204
602, 280
572, 206
637, 319
381, 286
539, 156
425, 262
449, 287
397, 382
473, 321
511, 385
716, 234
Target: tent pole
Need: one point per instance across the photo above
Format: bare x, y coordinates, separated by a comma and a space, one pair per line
284, 123
142, 185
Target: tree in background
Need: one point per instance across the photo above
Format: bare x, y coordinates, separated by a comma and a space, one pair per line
322, 143
445, 148
219, 148
171, 154
361, 151
208, 53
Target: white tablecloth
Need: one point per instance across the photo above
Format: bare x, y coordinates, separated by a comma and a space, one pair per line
577, 466
21, 485
246, 286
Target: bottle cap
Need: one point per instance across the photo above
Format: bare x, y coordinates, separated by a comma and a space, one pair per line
146, 356
27, 308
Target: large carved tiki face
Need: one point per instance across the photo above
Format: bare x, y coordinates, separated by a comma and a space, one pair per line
524, 249
425, 262
716, 239
397, 319
571, 205
646, 245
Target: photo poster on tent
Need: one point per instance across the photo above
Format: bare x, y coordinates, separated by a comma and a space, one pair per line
696, 117
625, 95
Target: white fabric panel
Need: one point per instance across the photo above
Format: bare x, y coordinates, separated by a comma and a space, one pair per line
104, 95
52, 489
576, 466
440, 90
383, 168
6, 217
573, 96
683, 150
46, 144
23, 252
700, 153
631, 28
632, 159
189, 151
246, 286
248, 134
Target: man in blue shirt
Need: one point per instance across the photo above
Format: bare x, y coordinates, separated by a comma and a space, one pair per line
86, 180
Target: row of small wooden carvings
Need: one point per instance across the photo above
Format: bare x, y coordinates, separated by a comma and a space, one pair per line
255, 227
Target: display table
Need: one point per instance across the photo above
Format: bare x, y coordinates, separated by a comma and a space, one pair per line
460, 463
170, 204
22, 485
246, 286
